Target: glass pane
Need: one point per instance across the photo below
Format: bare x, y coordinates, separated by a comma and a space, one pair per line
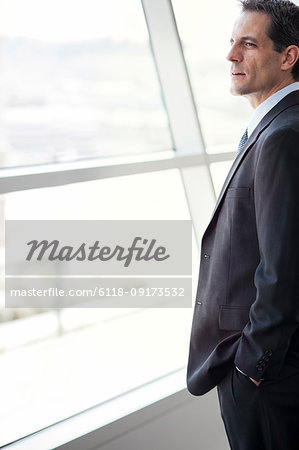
72, 359
205, 30
219, 172
78, 81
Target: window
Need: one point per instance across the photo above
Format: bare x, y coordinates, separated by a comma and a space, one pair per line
205, 30
91, 93
78, 81
72, 359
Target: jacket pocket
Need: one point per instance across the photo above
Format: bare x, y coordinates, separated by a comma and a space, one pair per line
238, 192
233, 317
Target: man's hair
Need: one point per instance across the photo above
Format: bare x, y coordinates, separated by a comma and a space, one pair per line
284, 26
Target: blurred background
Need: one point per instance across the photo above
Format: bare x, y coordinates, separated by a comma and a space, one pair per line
109, 110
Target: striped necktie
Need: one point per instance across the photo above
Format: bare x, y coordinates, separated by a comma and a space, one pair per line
243, 141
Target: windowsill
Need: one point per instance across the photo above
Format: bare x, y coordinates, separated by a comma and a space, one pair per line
59, 174
223, 153
101, 415
61, 166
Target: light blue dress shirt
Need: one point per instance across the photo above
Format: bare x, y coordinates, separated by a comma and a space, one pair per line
269, 103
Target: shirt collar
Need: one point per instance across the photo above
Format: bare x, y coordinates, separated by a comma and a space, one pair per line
269, 103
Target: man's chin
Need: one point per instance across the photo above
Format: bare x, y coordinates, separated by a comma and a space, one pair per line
238, 90
235, 91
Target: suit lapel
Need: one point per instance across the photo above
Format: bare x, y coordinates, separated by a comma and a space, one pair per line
290, 100
234, 167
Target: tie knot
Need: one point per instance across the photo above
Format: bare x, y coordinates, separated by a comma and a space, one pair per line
243, 141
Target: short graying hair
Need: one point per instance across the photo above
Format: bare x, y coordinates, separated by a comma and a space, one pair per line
284, 26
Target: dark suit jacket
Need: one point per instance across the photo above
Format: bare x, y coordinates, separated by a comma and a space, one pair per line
247, 302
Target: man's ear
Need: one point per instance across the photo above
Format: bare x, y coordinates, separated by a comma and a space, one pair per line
290, 57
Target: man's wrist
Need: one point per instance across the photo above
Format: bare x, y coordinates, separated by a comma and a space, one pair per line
241, 371
257, 382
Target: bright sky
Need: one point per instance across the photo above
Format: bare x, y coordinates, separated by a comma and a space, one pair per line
206, 25
69, 20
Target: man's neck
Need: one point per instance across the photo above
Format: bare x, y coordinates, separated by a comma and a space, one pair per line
269, 103
255, 99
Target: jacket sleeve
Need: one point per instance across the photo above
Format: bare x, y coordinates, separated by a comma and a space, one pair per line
274, 314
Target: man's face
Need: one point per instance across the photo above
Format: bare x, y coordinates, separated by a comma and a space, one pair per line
256, 68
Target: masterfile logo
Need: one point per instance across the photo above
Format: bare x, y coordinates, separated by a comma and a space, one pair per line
131, 259
95, 252
78, 247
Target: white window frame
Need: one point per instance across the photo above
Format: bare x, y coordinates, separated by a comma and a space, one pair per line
188, 155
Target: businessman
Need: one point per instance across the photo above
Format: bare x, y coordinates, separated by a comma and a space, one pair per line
245, 331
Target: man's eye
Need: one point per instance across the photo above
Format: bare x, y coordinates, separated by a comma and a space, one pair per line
249, 44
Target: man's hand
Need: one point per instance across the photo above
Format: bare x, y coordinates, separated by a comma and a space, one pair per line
257, 383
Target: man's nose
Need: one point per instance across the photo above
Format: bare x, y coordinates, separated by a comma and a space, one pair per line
234, 54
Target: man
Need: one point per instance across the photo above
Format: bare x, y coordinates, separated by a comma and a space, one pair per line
245, 331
